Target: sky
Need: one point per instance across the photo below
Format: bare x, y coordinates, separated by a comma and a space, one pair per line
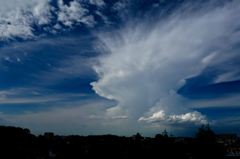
120, 67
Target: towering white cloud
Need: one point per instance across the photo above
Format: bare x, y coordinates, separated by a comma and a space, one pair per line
149, 60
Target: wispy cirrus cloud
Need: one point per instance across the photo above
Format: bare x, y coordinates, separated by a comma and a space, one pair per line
53, 118
34, 95
231, 100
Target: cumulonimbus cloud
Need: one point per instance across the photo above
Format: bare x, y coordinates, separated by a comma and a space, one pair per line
149, 60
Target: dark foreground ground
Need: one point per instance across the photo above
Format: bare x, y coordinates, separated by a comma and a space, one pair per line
18, 143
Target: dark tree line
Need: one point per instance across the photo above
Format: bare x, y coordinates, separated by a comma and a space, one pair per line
19, 143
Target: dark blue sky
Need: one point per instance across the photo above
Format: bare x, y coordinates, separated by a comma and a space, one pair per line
120, 66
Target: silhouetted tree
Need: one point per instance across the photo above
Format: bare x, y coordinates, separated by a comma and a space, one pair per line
165, 133
138, 136
158, 137
206, 145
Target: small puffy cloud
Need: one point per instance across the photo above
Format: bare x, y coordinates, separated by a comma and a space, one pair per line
57, 26
120, 5
18, 59
195, 118
68, 15
99, 3
8, 59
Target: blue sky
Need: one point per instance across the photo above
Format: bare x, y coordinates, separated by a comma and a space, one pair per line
120, 66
